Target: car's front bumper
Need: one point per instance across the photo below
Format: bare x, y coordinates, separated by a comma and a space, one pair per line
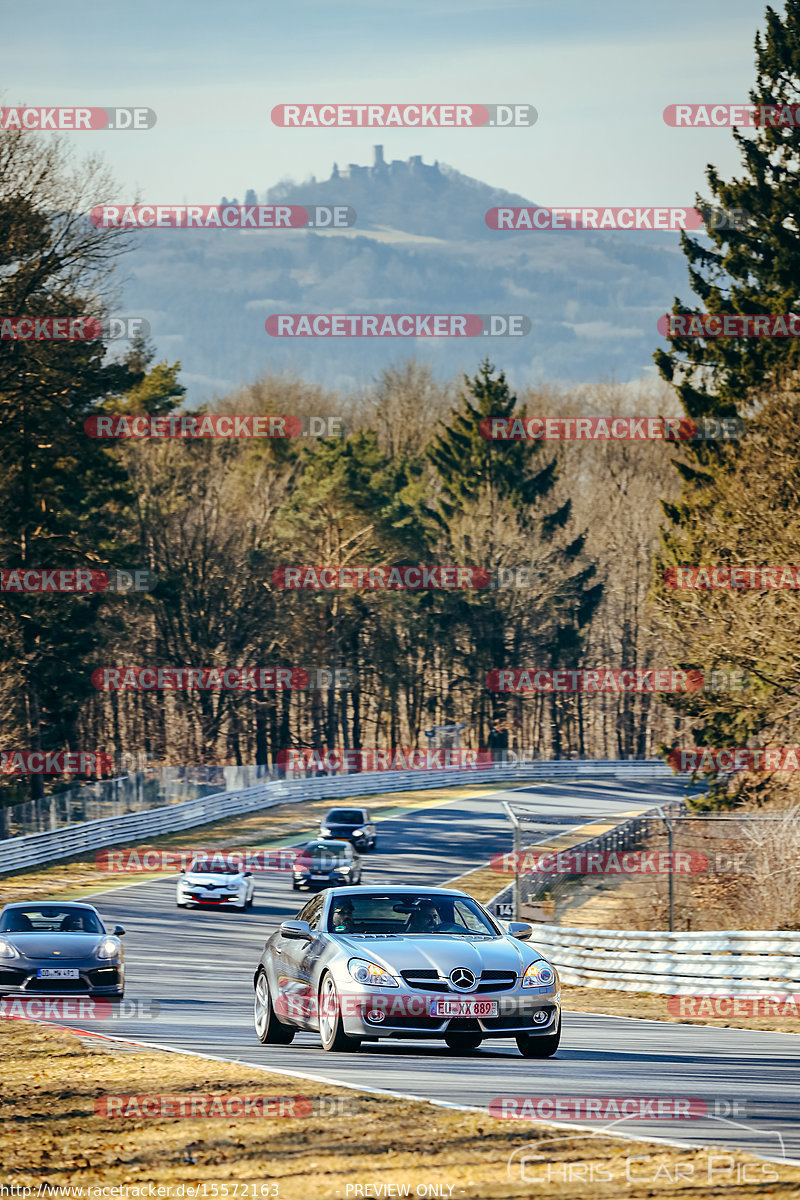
304, 883
198, 900
94, 979
384, 1012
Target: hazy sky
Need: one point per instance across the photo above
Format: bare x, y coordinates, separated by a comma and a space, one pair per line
599, 74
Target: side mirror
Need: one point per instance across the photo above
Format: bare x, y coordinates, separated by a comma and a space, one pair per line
118, 930
248, 874
183, 870
520, 931
299, 930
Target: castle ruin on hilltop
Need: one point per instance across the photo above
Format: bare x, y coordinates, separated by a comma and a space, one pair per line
381, 168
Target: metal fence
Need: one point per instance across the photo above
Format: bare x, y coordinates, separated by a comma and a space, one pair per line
151, 787
726, 963
528, 887
33, 849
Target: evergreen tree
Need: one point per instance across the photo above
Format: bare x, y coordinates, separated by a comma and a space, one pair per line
62, 493
496, 503
753, 262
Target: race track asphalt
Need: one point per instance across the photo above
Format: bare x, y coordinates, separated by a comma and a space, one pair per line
199, 966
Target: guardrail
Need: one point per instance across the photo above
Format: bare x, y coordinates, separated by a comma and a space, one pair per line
34, 849
728, 962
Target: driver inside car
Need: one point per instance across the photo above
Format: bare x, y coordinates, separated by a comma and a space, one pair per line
425, 919
343, 916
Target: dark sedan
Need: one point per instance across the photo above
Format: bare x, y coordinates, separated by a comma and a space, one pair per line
353, 824
61, 950
325, 863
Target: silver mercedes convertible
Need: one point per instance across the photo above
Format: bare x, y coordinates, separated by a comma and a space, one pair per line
358, 964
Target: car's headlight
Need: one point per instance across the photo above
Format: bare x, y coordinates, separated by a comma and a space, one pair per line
359, 830
107, 948
325, 829
7, 950
539, 974
364, 971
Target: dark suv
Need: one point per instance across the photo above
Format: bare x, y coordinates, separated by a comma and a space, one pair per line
352, 824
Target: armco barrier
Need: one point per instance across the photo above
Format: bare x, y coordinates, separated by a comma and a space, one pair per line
753, 962
33, 849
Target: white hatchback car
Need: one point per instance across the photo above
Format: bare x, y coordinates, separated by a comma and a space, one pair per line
214, 884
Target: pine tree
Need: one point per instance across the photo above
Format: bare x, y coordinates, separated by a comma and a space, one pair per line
62, 493
495, 500
753, 263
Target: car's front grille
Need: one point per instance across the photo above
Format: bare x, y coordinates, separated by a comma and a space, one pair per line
431, 981
427, 981
496, 981
59, 986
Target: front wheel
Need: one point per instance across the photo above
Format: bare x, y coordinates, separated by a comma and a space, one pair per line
269, 1030
531, 1045
331, 1026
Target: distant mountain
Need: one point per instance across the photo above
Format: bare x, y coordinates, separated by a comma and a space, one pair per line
411, 196
420, 244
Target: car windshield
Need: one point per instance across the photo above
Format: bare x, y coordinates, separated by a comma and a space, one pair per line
214, 868
345, 816
416, 914
50, 918
322, 856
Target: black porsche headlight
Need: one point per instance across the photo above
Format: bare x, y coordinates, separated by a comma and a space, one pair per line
107, 948
8, 949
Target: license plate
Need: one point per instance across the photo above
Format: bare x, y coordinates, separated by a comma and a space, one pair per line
58, 973
463, 1008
